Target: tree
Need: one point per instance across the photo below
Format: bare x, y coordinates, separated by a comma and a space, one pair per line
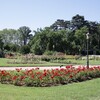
5, 36
11, 47
62, 36
10, 39
80, 39
24, 34
60, 24
40, 41
77, 22
1, 46
49, 40
1, 43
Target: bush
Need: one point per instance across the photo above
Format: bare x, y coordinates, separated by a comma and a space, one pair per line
49, 52
25, 49
38, 78
11, 47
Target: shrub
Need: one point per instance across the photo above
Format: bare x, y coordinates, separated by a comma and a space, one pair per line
37, 78
49, 52
25, 49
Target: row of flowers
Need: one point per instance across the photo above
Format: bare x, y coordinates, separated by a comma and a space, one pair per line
36, 77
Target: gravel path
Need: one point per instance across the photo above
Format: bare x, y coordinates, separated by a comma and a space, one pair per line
24, 68
41, 68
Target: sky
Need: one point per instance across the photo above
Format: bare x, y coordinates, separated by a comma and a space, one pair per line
42, 13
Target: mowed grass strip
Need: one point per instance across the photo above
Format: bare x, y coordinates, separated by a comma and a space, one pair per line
4, 63
88, 90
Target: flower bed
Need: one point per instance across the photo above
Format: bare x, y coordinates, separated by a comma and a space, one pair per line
36, 77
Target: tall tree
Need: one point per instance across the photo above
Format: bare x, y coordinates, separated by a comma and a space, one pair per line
9, 36
1, 43
49, 40
60, 24
80, 39
77, 22
24, 34
1, 47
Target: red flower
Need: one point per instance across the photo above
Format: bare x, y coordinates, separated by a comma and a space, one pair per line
44, 74
69, 66
32, 76
4, 73
52, 76
41, 77
22, 77
14, 77
71, 76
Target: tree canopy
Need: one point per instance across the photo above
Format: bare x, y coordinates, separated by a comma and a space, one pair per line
67, 36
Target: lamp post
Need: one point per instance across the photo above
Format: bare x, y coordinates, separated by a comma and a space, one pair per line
87, 37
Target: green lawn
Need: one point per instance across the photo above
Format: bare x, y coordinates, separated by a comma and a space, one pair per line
3, 62
83, 62
89, 90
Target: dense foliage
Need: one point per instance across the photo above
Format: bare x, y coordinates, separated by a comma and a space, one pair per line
36, 77
67, 36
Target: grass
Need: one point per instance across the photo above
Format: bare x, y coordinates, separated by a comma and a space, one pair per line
89, 90
3, 62
83, 62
